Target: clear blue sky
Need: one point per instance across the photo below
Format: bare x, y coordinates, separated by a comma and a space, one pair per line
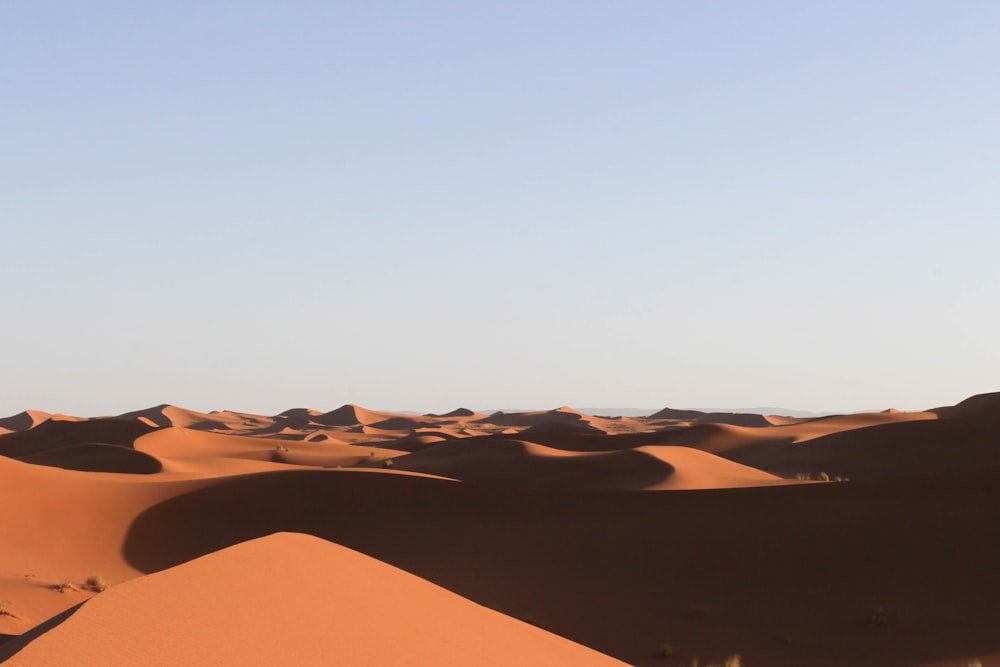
418, 205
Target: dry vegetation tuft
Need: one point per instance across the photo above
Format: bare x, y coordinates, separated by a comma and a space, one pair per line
96, 583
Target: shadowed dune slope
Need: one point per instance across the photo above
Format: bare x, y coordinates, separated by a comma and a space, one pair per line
23, 421
524, 419
717, 439
306, 413
893, 449
405, 423
350, 415
181, 442
580, 427
94, 457
459, 413
712, 572
981, 406
734, 418
335, 606
54, 434
516, 463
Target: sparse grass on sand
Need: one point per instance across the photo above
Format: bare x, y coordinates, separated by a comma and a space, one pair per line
63, 586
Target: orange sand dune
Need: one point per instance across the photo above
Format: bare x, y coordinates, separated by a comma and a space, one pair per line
63, 525
418, 441
171, 415
53, 434
820, 426
696, 416
981, 406
459, 413
888, 449
581, 427
351, 415
695, 469
23, 421
185, 450
563, 414
335, 606
182, 442
516, 463
655, 531
785, 575
405, 423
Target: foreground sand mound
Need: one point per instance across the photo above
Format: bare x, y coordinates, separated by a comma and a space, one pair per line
329, 606
785, 575
894, 570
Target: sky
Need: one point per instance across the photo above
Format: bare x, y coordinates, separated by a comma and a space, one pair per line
416, 205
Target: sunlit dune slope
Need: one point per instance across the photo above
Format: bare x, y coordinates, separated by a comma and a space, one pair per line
293, 599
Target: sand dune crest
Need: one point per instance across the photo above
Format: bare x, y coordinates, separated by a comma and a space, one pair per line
243, 606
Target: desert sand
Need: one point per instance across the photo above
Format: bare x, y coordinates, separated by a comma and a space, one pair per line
167, 536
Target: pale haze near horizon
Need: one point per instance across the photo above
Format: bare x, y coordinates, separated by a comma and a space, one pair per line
420, 205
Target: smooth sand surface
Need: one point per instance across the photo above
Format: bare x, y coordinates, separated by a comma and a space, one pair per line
293, 599
711, 534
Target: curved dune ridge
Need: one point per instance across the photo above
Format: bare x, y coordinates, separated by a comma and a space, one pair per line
350, 415
519, 463
335, 606
981, 406
23, 421
706, 535
734, 418
96, 457
515, 463
458, 413
562, 414
54, 434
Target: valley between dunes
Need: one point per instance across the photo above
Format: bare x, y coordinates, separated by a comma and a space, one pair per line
358, 537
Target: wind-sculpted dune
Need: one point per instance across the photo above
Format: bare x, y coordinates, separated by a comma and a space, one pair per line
552, 537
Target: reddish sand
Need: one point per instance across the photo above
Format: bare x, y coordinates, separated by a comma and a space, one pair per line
710, 532
292, 599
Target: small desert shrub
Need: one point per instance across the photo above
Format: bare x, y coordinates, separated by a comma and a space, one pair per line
975, 663
387, 463
668, 650
823, 477
735, 660
280, 448
63, 586
5, 610
96, 583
